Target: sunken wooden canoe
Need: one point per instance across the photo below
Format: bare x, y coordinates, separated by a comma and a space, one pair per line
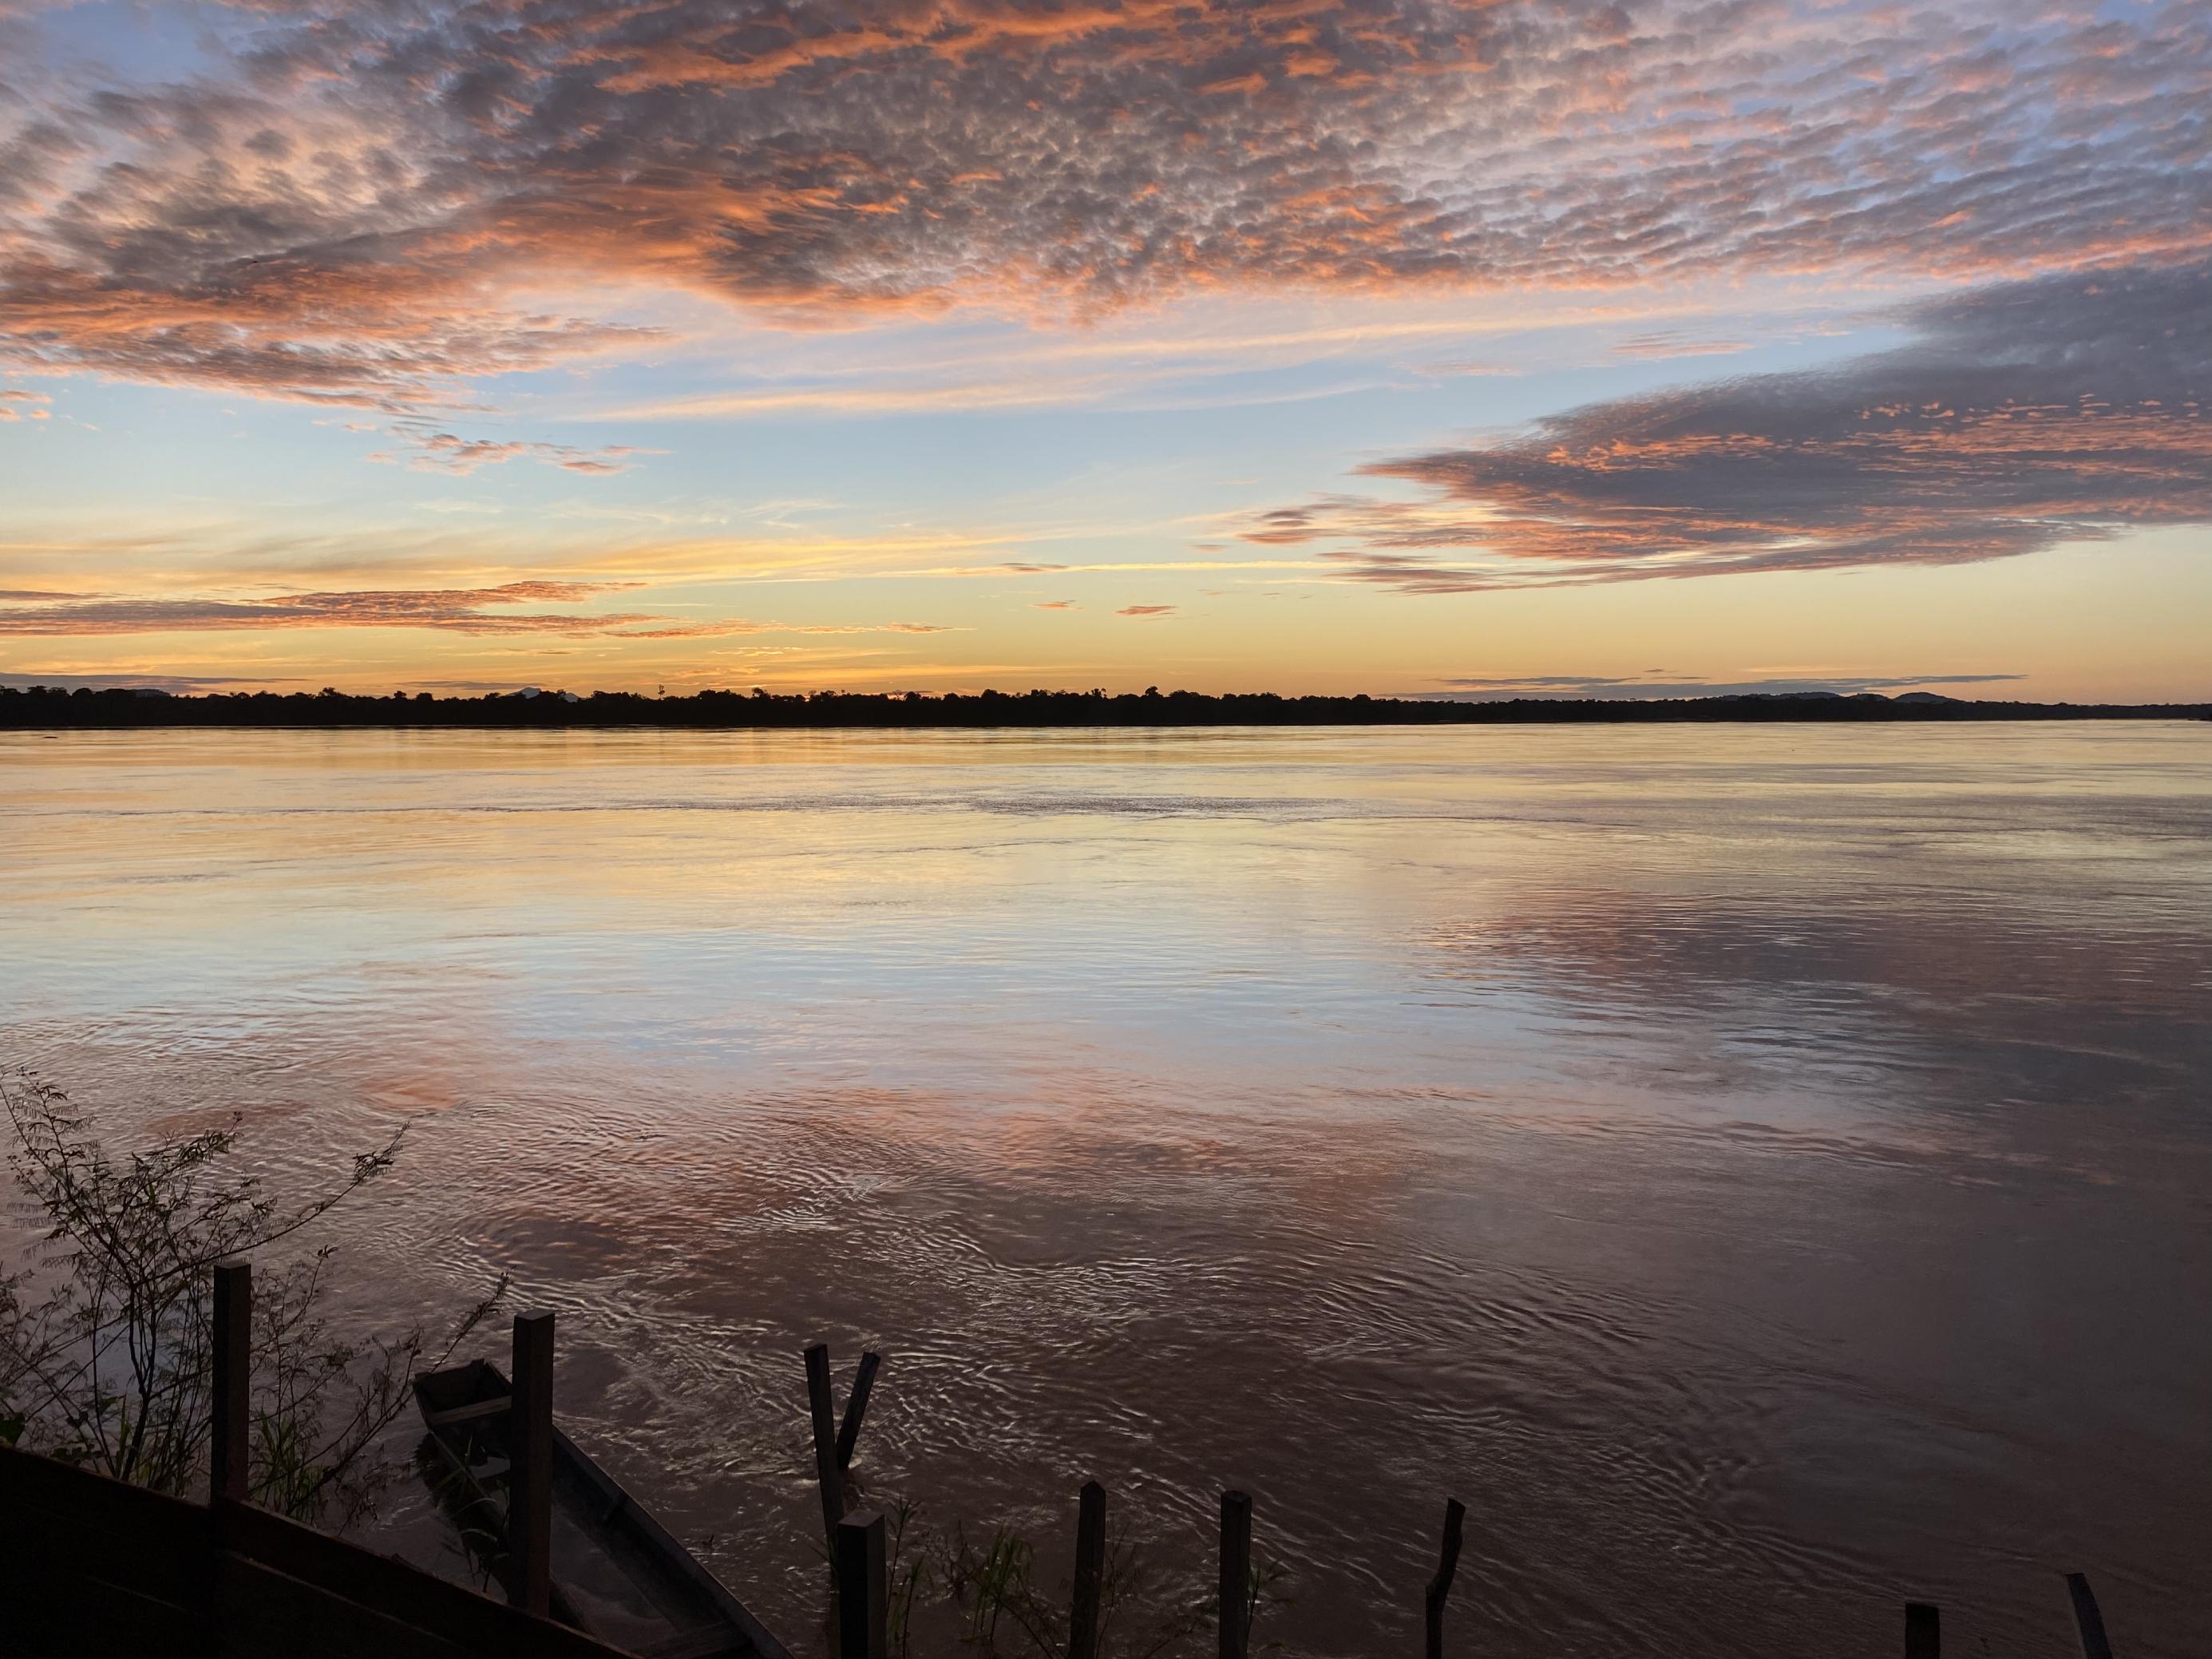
618, 1574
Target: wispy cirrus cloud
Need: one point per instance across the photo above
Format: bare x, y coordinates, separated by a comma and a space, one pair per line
1675, 343
370, 204
157, 681
427, 449
2067, 408
470, 611
1142, 611
455, 610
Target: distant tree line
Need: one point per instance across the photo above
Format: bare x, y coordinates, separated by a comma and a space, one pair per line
39, 706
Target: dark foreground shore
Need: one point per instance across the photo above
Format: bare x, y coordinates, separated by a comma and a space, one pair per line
39, 706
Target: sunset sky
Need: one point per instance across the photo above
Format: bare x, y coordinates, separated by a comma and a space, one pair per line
1402, 346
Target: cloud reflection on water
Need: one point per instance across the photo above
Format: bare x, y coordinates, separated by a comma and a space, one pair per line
1729, 1158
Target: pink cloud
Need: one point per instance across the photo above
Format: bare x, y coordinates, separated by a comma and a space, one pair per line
355, 214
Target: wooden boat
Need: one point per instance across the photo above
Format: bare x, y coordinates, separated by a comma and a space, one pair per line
618, 1574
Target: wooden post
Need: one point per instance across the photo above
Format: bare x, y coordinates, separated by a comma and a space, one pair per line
1090, 1572
826, 1473
862, 1598
228, 1479
1923, 1632
856, 1407
2088, 1620
530, 1467
1447, 1565
1236, 1573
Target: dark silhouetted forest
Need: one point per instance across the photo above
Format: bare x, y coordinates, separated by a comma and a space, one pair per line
39, 706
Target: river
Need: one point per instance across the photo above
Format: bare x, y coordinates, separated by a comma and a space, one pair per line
1764, 1172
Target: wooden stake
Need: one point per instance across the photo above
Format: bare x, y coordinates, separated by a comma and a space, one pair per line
227, 1478
826, 1473
1447, 1565
1090, 1572
2088, 1620
863, 1597
1235, 1574
530, 1467
1922, 1631
856, 1407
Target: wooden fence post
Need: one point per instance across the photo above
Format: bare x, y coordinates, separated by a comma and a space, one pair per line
826, 1473
862, 1598
1923, 1631
856, 1407
2089, 1622
1090, 1572
530, 1467
228, 1477
1236, 1573
1447, 1565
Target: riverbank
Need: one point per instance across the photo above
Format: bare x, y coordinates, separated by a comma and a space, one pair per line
39, 707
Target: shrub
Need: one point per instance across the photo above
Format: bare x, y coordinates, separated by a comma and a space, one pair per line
105, 1358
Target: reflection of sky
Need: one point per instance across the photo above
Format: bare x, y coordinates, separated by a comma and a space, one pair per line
1742, 1157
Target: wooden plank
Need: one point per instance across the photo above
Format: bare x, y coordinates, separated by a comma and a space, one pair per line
1923, 1631
267, 1614
64, 1517
1235, 1574
2089, 1621
863, 1596
232, 1405
1447, 1565
530, 1468
385, 1585
67, 1615
456, 1414
127, 1570
856, 1407
1090, 1572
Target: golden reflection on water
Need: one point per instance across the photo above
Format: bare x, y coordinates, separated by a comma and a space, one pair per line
1762, 1171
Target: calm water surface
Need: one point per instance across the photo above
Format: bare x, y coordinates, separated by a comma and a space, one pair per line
1765, 1173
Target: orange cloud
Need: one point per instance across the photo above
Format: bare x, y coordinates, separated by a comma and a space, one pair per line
364, 215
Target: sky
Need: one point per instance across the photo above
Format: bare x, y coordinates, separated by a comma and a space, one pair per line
1466, 347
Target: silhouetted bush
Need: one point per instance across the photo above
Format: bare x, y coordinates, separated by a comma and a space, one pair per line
105, 1358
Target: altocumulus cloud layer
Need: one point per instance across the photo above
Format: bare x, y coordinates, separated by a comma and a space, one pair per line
371, 201
2064, 408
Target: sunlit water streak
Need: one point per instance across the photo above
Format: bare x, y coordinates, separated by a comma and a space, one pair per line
1764, 1172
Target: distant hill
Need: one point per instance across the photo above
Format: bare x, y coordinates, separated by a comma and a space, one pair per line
44, 707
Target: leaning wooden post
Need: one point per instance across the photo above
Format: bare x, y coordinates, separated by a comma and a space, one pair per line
1923, 1631
227, 1480
1090, 1572
1447, 1565
863, 1597
2089, 1622
856, 1407
826, 1473
1236, 1573
530, 1467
